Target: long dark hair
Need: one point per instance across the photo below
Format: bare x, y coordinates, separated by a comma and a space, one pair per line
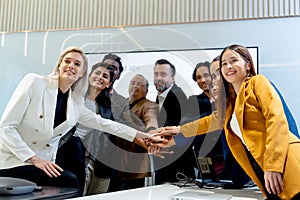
103, 98
227, 92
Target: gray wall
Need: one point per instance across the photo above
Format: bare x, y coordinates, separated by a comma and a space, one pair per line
277, 40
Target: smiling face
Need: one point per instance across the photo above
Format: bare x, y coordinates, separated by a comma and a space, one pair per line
71, 67
137, 88
234, 68
203, 78
163, 77
100, 79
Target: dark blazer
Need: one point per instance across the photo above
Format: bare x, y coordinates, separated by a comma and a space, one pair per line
182, 159
172, 108
196, 106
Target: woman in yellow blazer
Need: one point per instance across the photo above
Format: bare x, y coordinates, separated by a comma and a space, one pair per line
255, 126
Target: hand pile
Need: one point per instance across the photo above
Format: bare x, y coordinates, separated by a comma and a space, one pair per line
158, 148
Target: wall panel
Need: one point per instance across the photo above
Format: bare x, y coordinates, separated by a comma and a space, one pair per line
41, 15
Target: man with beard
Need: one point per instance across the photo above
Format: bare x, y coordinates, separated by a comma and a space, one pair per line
171, 100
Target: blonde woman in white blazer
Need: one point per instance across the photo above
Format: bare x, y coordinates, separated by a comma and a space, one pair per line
28, 134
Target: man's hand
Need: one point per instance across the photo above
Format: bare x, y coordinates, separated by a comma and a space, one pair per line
158, 152
50, 168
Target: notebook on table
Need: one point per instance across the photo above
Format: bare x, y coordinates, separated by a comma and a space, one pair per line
198, 195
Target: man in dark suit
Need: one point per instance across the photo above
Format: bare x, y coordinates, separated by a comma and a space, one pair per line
171, 100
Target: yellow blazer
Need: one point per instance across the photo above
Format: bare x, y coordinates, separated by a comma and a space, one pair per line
265, 131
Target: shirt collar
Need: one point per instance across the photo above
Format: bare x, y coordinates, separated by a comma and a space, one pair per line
165, 93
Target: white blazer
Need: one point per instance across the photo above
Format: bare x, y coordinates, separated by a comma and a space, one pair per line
26, 126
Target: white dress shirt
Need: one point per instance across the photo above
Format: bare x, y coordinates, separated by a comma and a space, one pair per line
162, 96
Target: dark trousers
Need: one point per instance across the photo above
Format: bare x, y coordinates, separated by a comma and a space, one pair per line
38, 176
116, 184
260, 174
71, 156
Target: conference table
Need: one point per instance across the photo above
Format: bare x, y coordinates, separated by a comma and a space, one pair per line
163, 192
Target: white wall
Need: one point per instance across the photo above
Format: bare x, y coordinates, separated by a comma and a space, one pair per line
277, 40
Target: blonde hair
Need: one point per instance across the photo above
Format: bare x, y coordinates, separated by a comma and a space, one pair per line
79, 87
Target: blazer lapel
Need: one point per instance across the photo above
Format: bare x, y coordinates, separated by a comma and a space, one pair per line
117, 105
50, 97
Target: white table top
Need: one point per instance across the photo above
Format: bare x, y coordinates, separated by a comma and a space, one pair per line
163, 192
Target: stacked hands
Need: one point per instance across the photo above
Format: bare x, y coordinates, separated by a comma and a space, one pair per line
160, 139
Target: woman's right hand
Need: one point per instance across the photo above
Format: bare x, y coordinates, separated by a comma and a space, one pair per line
148, 137
274, 182
50, 168
168, 131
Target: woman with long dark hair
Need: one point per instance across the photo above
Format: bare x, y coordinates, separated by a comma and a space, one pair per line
255, 125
